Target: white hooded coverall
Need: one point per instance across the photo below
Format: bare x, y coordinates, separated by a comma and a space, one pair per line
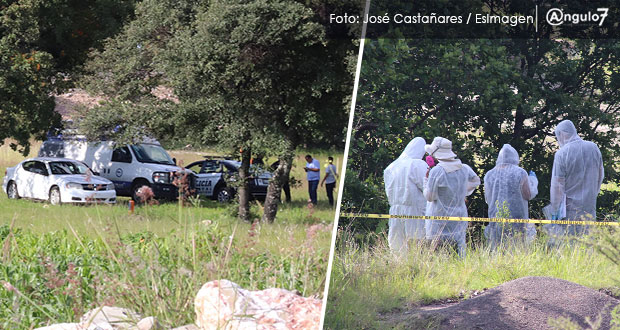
445, 189
404, 183
508, 186
577, 176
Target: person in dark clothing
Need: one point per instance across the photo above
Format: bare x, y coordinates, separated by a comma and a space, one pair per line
330, 180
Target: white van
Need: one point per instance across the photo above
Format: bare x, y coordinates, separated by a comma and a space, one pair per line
130, 168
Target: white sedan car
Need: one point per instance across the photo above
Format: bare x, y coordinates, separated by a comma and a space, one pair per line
58, 180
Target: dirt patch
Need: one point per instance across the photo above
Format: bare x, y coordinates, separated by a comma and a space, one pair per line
67, 104
524, 303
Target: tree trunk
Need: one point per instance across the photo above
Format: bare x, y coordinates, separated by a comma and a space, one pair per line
244, 186
280, 177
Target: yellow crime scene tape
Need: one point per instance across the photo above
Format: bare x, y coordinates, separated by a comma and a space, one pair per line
504, 220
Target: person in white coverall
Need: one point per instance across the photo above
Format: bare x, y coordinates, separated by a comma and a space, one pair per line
404, 181
576, 180
445, 189
507, 190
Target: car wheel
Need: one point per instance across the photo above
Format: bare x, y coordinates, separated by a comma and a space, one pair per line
54, 196
11, 190
224, 195
137, 191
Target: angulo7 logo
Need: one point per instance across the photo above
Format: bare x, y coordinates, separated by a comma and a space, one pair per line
555, 16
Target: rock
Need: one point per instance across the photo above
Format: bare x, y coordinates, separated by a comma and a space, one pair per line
61, 326
148, 323
109, 318
225, 305
187, 327
100, 326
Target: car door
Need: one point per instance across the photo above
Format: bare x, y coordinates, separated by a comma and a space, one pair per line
33, 180
208, 177
24, 179
121, 170
41, 180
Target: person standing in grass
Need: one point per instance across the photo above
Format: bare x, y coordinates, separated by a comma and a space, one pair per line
330, 180
313, 174
507, 190
576, 180
445, 188
404, 183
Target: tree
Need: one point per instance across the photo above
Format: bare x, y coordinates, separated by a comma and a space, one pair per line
41, 44
482, 94
270, 71
252, 76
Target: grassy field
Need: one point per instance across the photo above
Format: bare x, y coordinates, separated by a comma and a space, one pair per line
367, 282
60, 261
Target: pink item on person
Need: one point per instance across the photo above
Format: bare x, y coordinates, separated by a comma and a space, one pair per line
430, 161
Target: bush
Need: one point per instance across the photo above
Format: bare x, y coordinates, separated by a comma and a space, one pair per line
366, 197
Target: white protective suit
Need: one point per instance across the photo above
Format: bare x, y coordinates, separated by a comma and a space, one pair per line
576, 178
445, 189
404, 182
508, 186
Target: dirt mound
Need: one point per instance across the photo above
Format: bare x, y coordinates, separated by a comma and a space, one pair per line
524, 303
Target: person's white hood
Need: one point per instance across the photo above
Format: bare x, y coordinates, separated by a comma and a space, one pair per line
566, 132
507, 155
404, 185
415, 149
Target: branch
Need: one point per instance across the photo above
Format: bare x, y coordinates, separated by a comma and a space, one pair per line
423, 118
364, 127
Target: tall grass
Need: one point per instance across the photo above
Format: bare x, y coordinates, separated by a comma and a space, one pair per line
60, 261
10, 157
369, 280
58, 275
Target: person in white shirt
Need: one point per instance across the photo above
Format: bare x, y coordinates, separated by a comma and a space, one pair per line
330, 180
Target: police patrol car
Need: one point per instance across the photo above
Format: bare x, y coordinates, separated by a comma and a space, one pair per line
212, 176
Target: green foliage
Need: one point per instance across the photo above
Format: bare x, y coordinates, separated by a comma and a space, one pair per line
61, 274
364, 197
502, 209
608, 244
251, 77
608, 204
65, 29
482, 94
252, 74
130, 64
615, 318
26, 104
41, 43
110, 119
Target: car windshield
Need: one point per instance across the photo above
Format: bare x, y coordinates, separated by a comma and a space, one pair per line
63, 168
151, 153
